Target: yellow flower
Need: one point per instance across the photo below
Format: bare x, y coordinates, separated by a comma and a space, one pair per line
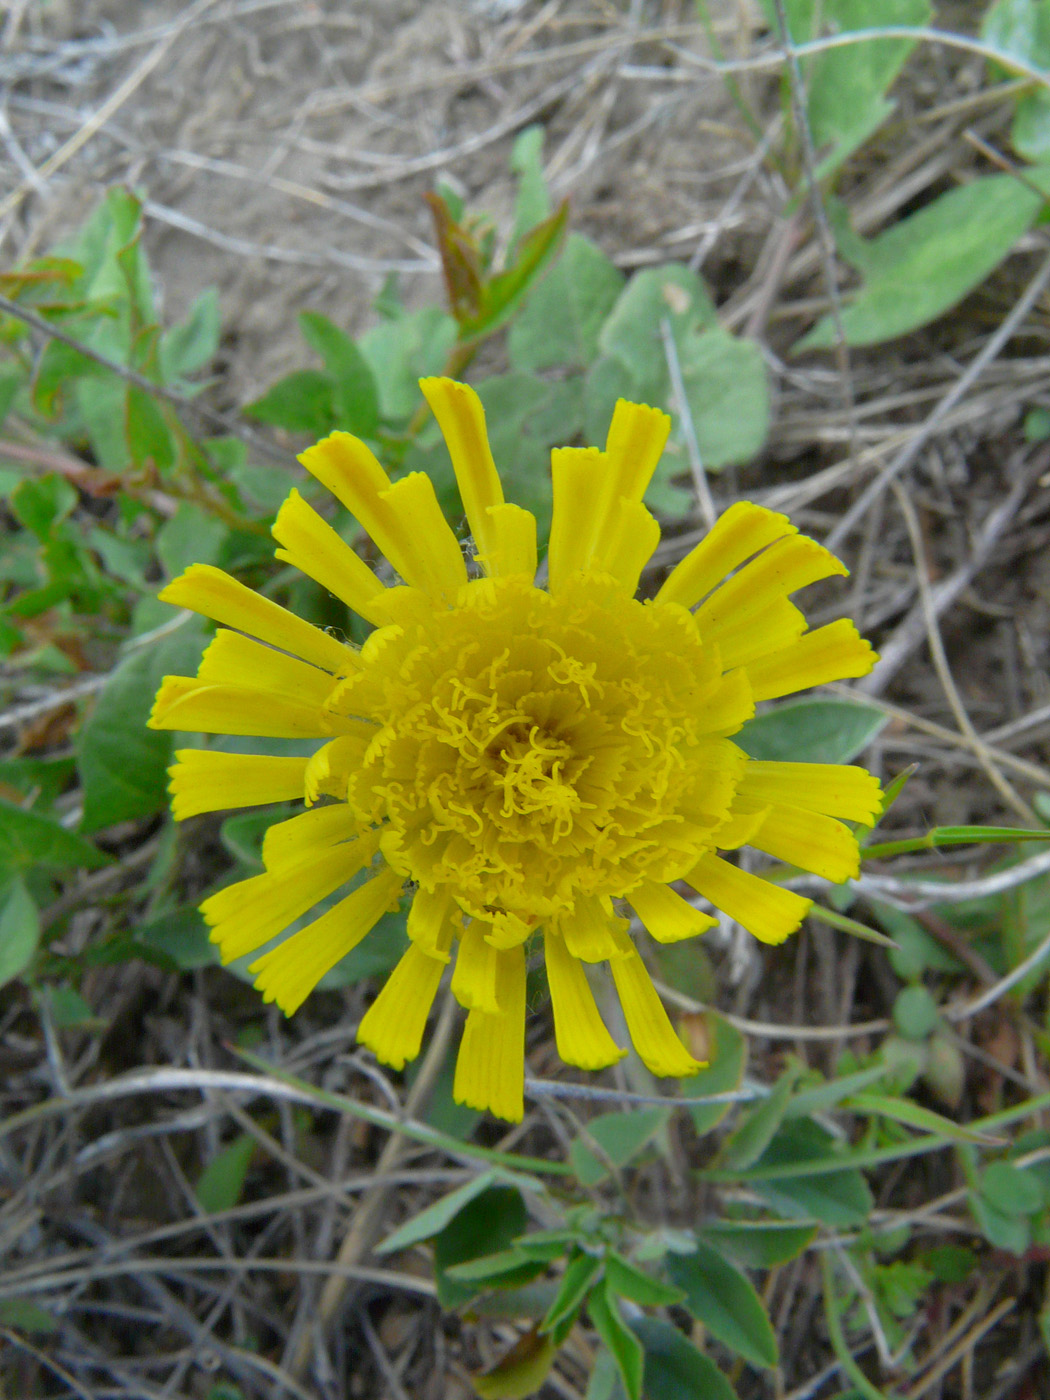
524, 758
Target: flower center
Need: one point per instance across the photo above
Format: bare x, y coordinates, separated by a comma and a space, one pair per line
535, 749
530, 767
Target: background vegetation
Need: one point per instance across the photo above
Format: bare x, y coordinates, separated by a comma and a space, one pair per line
816, 233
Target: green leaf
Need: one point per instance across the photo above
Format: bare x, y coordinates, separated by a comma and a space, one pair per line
503, 294
102, 403
674, 1368
243, 834
533, 202
485, 1225
57, 369
580, 1273
915, 1013
632, 331
19, 929
149, 439
725, 385
123, 765
190, 536
193, 342
913, 1115
301, 402
355, 398
180, 936
917, 951
39, 503
818, 1098
12, 379
924, 265
70, 1011
546, 1244
435, 1218
27, 1316
753, 1136
1010, 1189
624, 1346
900, 1286
1021, 29
29, 840
604, 1381
951, 1263
812, 731
626, 1280
559, 323
1005, 1231
507, 1267
621, 1136
521, 1372
759, 1244
403, 351
727, 1060
722, 1298
220, 1184
845, 86
838, 1197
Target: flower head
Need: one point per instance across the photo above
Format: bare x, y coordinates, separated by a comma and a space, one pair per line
533, 763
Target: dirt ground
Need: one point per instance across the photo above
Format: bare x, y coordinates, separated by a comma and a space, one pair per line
283, 148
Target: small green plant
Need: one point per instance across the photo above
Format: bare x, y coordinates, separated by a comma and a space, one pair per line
114, 479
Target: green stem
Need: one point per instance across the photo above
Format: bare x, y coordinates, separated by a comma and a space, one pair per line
838, 1337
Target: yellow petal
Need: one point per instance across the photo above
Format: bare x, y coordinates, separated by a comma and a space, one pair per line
667, 916
507, 930
405, 520
433, 919
329, 770
579, 1031
287, 843
651, 1032
185, 703
203, 780
598, 521
513, 542
592, 933
248, 914
741, 826
402, 605
787, 565
809, 840
577, 475
474, 976
636, 440
316, 550
288, 973
741, 641
431, 557
490, 1067
461, 419
392, 1027
233, 659
832, 653
207, 590
728, 705
836, 789
742, 531
628, 543
766, 910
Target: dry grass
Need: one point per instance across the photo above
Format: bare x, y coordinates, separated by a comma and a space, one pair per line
283, 148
